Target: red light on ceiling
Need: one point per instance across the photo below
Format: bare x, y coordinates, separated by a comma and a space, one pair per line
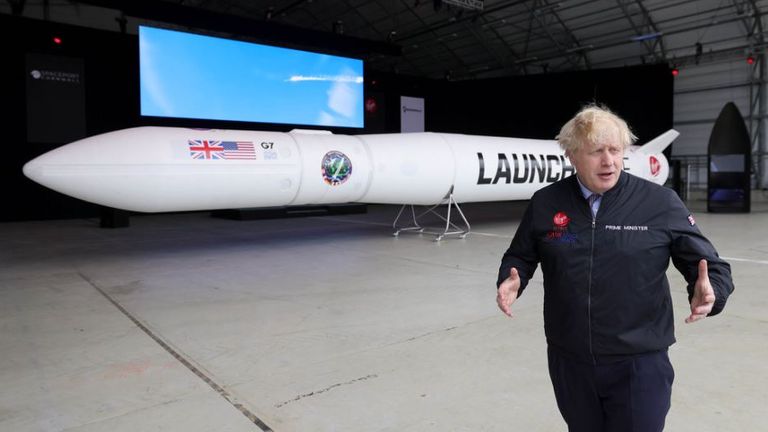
750, 60
675, 72
57, 40
371, 106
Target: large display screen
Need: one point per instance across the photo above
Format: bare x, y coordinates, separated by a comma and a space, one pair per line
186, 75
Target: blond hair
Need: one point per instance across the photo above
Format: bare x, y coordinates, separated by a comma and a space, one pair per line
590, 126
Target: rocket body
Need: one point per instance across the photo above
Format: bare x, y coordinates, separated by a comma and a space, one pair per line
161, 169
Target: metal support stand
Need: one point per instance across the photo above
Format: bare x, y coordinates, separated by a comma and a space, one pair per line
416, 227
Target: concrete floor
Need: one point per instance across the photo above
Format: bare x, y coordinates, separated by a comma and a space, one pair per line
184, 322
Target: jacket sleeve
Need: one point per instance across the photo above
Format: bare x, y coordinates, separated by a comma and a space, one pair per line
522, 253
689, 246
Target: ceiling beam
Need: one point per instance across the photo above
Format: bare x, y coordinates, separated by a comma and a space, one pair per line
262, 30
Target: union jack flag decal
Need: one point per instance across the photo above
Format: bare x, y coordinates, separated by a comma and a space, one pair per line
213, 150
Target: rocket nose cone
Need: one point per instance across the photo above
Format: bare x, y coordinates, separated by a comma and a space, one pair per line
39, 168
729, 133
33, 170
60, 169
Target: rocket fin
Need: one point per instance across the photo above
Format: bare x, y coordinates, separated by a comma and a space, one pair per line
658, 144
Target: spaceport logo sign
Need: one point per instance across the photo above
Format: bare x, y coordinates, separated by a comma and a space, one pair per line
58, 76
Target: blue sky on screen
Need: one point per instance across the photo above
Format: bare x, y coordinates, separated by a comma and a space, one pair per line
192, 76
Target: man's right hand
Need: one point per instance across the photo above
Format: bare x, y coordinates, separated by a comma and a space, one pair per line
507, 293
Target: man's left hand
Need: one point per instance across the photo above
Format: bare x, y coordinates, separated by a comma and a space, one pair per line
703, 295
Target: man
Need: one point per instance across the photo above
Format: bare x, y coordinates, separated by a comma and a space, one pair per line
604, 239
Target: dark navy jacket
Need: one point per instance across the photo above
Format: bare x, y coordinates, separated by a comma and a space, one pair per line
606, 292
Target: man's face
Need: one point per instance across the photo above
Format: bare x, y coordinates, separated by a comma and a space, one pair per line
599, 164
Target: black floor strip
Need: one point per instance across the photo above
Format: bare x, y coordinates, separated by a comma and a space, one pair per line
213, 384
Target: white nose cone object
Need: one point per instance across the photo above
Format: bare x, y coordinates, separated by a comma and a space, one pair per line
152, 169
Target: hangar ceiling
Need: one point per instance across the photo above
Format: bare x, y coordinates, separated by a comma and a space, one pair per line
461, 39
466, 39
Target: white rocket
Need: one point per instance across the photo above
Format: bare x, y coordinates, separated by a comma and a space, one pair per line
162, 169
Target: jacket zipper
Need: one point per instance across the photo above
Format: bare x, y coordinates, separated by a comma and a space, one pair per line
589, 288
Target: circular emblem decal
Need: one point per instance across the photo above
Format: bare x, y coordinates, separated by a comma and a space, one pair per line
655, 166
561, 220
336, 168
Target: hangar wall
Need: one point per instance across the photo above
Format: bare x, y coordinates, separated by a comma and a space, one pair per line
700, 93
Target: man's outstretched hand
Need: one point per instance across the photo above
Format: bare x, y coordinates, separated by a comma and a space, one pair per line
507, 292
703, 295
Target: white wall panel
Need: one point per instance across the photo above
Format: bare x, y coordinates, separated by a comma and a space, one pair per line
701, 91
693, 139
706, 105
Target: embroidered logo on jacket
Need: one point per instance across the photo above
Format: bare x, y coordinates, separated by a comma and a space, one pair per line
559, 232
626, 227
561, 219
